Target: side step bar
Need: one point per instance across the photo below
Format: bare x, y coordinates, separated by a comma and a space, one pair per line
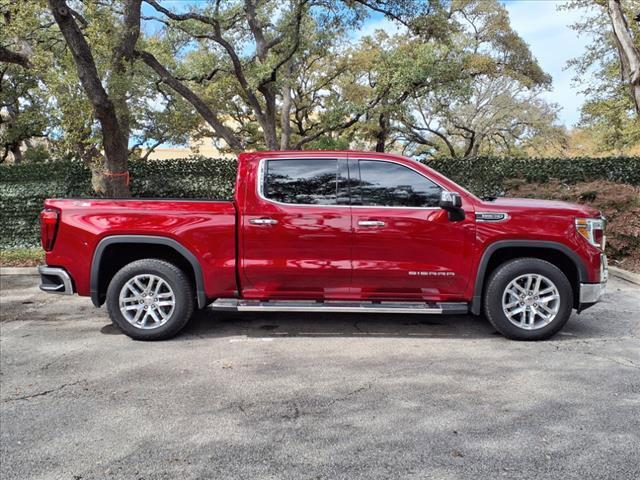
235, 305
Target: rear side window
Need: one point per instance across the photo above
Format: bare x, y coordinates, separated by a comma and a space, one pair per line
389, 184
307, 182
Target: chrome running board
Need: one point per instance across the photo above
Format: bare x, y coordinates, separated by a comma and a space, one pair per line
334, 306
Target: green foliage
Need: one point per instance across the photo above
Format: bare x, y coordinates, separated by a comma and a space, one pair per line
198, 177
36, 154
608, 115
489, 175
21, 257
23, 188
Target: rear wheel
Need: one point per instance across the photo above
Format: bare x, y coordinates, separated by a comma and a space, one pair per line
528, 299
150, 299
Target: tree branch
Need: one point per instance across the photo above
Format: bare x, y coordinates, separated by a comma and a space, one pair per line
8, 56
210, 116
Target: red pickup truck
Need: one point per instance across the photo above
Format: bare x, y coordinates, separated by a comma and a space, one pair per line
333, 232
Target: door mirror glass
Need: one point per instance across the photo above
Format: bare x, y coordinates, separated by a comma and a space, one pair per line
450, 200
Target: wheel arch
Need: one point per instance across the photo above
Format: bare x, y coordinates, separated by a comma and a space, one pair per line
137, 247
501, 251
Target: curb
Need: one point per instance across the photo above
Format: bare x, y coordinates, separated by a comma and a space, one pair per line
625, 275
28, 271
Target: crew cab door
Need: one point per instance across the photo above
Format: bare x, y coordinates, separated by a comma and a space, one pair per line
296, 230
404, 245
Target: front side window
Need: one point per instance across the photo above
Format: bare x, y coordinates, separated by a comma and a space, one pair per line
300, 181
392, 185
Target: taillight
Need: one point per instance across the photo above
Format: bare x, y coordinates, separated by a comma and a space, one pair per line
48, 228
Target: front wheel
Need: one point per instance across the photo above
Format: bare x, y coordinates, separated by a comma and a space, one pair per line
528, 299
150, 299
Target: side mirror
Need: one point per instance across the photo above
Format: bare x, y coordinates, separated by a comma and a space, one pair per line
452, 203
450, 200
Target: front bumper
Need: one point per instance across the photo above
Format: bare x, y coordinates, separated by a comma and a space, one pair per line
592, 293
55, 280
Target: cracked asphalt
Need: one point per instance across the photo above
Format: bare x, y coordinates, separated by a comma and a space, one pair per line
326, 396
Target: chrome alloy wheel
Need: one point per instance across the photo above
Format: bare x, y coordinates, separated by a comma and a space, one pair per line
147, 301
531, 301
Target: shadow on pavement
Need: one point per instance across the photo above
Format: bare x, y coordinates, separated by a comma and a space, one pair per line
209, 324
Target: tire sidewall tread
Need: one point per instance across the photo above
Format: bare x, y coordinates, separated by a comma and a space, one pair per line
505, 273
180, 284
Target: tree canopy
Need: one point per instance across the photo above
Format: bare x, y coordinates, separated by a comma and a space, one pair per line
103, 81
608, 72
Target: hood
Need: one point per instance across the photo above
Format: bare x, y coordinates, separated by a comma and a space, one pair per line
533, 205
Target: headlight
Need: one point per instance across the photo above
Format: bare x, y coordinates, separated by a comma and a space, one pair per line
593, 230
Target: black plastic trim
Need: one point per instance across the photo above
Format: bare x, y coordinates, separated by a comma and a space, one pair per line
583, 306
146, 239
476, 303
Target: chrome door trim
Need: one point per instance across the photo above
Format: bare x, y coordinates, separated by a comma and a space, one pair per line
371, 223
263, 221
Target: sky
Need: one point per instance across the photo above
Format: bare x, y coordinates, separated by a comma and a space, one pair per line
553, 43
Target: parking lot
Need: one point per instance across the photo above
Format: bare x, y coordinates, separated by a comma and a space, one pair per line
325, 396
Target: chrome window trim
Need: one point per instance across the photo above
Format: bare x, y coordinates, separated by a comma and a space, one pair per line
260, 183
261, 172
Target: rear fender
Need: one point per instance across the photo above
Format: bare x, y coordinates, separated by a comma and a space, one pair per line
144, 239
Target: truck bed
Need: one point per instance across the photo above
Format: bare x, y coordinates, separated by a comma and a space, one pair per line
205, 228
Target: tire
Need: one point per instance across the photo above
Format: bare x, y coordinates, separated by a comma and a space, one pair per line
522, 317
157, 313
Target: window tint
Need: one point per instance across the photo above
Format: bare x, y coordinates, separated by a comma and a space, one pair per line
311, 182
393, 185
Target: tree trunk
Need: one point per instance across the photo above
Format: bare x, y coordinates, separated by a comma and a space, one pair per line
114, 142
14, 148
285, 120
123, 56
269, 120
629, 54
383, 132
475, 149
92, 158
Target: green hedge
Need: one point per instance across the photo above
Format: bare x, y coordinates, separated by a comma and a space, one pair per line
487, 176
23, 188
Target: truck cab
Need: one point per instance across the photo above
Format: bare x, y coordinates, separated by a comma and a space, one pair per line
329, 231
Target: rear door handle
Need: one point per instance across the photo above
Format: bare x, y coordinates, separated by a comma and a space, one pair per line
263, 221
371, 223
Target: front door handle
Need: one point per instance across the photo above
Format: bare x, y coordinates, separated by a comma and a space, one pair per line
371, 223
263, 221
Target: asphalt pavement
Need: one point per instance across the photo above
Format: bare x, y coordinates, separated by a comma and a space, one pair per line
322, 396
